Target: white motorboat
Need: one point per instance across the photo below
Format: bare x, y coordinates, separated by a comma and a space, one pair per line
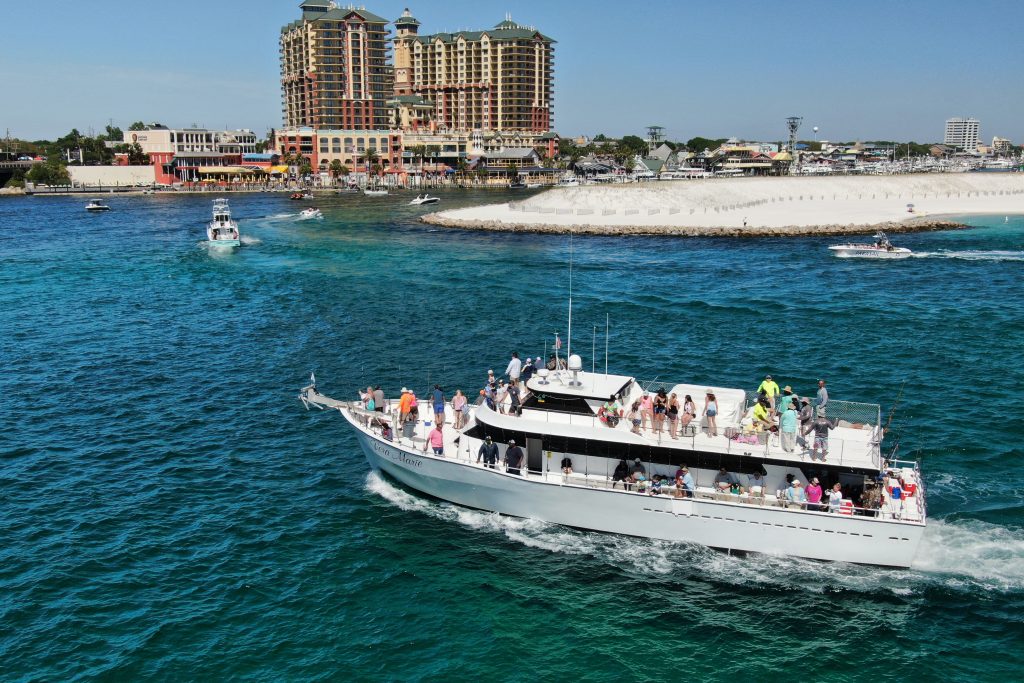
310, 214
97, 206
571, 453
222, 231
425, 199
880, 248
375, 193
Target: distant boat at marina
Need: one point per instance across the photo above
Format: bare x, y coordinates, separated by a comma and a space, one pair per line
301, 195
880, 248
97, 206
222, 231
375, 193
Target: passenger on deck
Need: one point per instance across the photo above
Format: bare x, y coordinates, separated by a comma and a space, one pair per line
378, 399
787, 426
404, 404
684, 483
513, 458
514, 401
656, 483
813, 493
646, 409
491, 379
515, 367
367, 398
780, 493
755, 484
870, 499
567, 465
710, 411
459, 404
637, 472
634, 416
437, 397
835, 497
762, 414
673, 415
414, 406
689, 412
528, 370
385, 432
621, 473
552, 363
822, 400
770, 389
610, 412
821, 427
725, 480
785, 399
795, 496
660, 410
500, 395
488, 453
436, 439
806, 420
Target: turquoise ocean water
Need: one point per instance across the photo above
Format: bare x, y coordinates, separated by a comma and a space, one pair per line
169, 511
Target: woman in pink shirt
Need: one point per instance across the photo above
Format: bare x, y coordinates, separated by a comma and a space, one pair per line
458, 405
813, 493
646, 410
436, 440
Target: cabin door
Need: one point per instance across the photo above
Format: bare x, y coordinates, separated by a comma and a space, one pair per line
534, 455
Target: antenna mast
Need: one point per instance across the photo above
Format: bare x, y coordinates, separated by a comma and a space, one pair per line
568, 342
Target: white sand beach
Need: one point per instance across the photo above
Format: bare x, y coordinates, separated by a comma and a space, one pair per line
753, 206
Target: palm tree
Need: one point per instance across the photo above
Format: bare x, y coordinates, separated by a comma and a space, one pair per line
369, 158
335, 168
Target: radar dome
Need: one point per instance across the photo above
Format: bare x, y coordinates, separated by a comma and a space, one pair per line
575, 362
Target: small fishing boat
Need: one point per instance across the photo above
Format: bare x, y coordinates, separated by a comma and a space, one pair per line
97, 206
375, 193
310, 213
880, 248
222, 231
425, 199
517, 185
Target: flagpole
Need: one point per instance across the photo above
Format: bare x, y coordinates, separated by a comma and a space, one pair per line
568, 343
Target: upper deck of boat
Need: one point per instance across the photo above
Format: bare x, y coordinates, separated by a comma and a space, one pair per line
567, 404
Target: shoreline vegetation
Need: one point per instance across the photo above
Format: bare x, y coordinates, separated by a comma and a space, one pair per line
752, 207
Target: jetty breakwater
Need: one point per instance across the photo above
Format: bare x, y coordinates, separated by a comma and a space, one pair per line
752, 207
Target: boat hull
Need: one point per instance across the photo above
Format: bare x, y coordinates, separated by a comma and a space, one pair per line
854, 251
717, 524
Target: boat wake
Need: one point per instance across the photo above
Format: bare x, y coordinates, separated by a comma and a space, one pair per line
995, 255
249, 241
964, 555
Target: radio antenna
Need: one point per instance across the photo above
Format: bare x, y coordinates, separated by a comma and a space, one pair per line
568, 342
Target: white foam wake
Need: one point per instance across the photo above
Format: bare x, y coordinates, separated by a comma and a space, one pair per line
961, 555
993, 255
250, 240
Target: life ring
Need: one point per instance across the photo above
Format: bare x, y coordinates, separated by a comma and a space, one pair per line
846, 507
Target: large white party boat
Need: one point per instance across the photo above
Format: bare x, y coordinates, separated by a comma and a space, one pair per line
561, 417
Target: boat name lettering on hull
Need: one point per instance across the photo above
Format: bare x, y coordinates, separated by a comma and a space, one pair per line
397, 456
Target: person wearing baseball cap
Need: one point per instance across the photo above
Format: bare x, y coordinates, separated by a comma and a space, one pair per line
770, 389
513, 458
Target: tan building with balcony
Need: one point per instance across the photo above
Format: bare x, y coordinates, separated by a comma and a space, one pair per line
335, 71
499, 79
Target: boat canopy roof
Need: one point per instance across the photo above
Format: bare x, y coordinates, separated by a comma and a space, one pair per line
592, 385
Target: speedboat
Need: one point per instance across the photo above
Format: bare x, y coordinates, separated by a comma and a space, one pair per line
517, 185
880, 248
425, 199
559, 459
96, 206
310, 213
222, 231
375, 193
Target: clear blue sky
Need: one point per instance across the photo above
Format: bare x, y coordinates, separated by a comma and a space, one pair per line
865, 69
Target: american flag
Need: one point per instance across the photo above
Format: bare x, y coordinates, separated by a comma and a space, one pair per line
558, 342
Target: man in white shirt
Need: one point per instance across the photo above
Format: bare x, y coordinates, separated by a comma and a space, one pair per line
515, 366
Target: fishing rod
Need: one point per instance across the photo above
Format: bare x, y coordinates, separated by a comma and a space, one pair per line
892, 410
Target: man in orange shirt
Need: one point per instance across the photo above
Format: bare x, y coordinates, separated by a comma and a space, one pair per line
404, 405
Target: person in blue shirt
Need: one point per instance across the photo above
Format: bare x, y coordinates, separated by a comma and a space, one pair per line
438, 401
787, 426
684, 482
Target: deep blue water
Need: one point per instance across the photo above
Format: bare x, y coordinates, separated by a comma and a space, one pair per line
169, 510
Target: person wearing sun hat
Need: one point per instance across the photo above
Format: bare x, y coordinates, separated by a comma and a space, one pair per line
795, 496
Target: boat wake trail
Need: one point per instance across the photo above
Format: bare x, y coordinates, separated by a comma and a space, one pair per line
963, 556
250, 241
995, 255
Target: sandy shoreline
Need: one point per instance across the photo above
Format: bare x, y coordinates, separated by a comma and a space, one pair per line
752, 207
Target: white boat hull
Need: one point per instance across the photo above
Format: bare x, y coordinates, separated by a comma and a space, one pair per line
717, 524
858, 251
